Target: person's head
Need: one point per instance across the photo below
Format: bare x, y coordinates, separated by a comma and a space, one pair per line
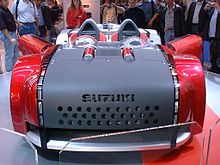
158, 2
4, 3
76, 3
38, 2
51, 2
110, 1
169, 2
132, 3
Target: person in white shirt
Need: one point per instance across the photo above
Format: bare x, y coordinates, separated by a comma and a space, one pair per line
25, 12
212, 33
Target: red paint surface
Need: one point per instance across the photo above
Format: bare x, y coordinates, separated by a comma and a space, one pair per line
102, 37
126, 52
144, 36
191, 44
30, 44
114, 37
23, 103
73, 36
192, 87
89, 51
193, 152
184, 54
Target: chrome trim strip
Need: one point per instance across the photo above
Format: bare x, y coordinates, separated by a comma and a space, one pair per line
13, 132
176, 106
175, 118
176, 94
105, 147
40, 107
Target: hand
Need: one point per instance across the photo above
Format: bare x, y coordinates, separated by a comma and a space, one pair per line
216, 5
105, 4
13, 41
20, 24
78, 24
150, 23
113, 4
208, 6
212, 4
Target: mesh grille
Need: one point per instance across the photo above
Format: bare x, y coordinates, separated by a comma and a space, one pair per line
109, 118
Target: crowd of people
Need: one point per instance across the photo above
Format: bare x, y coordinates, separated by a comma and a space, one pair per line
26, 17
171, 19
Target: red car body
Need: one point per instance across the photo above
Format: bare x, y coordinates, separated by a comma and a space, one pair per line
183, 54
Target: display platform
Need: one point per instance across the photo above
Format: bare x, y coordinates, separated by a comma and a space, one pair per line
202, 149
16, 149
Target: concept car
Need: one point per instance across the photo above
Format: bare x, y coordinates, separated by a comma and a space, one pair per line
108, 88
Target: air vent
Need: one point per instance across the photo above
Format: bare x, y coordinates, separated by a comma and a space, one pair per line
109, 118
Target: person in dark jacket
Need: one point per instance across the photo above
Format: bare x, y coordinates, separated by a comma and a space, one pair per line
158, 22
135, 14
173, 21
212, 33
55, 16
44, 19
183, 4
195, 19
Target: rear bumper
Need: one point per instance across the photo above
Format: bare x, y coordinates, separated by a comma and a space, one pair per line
92, 146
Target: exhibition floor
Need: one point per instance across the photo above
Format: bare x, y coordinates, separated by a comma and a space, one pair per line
192, 154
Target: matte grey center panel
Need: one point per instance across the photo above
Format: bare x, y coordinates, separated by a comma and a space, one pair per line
108, 93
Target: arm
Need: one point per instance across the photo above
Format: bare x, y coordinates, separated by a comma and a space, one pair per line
84, 16
68, 20
81, 18
17, 22
3, 28
182, 21
36, 15
13, 8
120, 10
46, 15
155, 11
103, 6
216, 5
152, 20
208, 6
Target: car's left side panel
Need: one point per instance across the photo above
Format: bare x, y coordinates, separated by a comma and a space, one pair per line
24, 79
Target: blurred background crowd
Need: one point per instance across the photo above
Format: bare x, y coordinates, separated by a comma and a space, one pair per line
170, 18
